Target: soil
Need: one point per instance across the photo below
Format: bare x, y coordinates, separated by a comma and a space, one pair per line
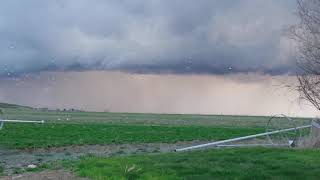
45, 175
11, 160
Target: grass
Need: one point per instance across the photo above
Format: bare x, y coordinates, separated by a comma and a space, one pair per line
49, 135
254, 163
13, 106
141, 119
79, 128
1, 170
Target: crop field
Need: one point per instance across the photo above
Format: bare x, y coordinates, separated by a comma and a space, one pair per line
103, 145
54, 135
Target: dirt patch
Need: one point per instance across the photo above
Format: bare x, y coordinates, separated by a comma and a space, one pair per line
12, 160
45, 175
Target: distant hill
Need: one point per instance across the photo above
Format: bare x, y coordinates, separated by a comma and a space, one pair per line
15, 106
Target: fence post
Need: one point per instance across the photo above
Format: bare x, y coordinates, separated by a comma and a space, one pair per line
315, 133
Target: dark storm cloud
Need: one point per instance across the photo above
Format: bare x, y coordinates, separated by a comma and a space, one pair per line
147, 36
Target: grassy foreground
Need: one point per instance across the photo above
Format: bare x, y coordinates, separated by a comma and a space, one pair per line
254, 163
49, 135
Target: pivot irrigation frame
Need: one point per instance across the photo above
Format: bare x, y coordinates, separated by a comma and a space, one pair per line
267, 133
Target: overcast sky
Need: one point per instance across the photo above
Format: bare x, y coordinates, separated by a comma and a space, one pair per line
146, 36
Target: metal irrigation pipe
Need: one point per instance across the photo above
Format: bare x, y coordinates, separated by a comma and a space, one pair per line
250, 145
2, 121
241, 138
21, 121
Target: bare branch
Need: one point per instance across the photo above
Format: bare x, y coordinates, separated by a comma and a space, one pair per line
307, 36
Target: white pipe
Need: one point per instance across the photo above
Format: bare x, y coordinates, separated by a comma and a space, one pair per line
21, 121
241, 138
249, 145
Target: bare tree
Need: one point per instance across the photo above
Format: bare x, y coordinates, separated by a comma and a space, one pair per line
307, 35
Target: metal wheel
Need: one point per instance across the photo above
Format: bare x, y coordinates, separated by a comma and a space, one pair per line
280, 122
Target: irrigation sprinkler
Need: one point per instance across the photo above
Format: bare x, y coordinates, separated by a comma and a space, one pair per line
241, 138
2, 121
277, 135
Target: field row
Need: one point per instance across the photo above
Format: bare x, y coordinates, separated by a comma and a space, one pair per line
54, 135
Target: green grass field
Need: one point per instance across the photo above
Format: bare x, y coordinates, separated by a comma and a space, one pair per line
78, 128
254, 163
134, 118
139, 118
91, 128
54, 135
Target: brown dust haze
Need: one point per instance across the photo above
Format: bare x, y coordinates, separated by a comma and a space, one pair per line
237, 94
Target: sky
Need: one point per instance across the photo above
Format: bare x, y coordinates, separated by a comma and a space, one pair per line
159, 56
236, 94
146, 36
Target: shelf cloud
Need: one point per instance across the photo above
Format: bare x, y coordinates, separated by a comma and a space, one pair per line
146, 36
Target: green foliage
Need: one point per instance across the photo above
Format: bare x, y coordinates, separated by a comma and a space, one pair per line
253, 163
49, 135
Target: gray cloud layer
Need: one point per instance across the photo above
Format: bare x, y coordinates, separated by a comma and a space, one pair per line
148, 36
